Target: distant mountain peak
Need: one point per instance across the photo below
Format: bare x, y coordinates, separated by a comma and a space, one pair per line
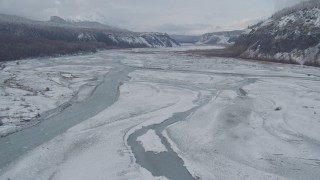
220, 38
57, 19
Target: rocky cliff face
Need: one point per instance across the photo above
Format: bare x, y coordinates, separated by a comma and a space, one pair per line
291, 35
220, 38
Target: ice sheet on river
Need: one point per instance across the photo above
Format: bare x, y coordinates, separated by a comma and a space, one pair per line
151, 142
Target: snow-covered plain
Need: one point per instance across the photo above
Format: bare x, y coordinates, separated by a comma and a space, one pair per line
249, 120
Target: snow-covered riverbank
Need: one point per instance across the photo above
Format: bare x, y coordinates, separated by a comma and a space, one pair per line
31, 87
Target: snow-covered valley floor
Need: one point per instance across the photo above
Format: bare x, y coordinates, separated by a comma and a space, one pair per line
203, 118
30, 88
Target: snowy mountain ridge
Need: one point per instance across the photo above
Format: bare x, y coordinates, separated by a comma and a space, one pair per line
291, 35
58, 21
220, 38
81, 31
59, 36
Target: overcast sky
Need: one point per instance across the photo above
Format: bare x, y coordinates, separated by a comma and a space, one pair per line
171, 16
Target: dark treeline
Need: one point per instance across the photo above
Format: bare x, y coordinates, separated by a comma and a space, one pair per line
15, 47
20, 41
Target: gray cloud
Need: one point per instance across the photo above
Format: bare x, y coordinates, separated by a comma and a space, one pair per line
172, 16
185, 29
279, 4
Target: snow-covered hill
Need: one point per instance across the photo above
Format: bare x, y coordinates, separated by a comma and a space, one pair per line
131, 39
21, 37
220, 38
291, 35
72, 31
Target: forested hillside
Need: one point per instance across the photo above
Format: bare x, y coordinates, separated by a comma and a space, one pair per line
291, 35
21, 37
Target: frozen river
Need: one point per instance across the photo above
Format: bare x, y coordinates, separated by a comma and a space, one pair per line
158, 114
